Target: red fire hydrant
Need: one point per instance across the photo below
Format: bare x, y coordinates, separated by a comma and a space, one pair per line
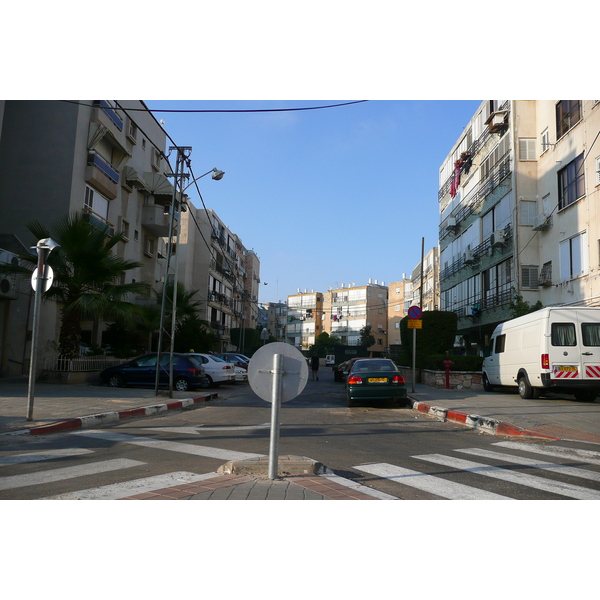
447, 364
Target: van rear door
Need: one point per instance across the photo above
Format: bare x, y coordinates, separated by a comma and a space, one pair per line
565, 354
590, 347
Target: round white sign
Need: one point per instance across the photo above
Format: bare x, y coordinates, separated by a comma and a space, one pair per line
46, 284
260, 371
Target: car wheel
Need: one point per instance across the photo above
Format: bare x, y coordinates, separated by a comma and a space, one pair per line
585, 395
182, 384
526, 391
487, 386
115, 381
205, 382
350, 402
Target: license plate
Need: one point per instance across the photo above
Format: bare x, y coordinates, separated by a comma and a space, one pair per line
377, 380
566, 368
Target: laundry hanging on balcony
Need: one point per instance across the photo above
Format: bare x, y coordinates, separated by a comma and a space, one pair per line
463, 165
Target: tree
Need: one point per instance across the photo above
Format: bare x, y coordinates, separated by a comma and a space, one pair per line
324, 344
519, 307
87, 277
366, 337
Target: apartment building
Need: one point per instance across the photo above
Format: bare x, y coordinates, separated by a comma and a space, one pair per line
102, 158
518, 196
276, 319
400, 298
348, 309
425, 280
304, 319
213, 260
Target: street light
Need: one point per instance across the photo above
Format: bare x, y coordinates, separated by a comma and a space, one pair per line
182, 157
41, 281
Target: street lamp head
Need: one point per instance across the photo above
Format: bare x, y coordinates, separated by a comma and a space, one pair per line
47, 244
217, 174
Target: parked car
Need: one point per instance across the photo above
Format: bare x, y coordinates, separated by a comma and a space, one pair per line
375, 379
344, 368
241, 375
217, 370
188, 372
234, 359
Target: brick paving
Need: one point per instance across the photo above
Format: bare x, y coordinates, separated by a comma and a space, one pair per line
249, 487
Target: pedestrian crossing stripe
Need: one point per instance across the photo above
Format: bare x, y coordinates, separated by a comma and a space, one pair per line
554, 487
42, 477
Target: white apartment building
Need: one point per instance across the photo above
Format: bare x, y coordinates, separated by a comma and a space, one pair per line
519, 195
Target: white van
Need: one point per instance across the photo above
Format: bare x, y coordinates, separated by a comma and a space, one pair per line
555, 348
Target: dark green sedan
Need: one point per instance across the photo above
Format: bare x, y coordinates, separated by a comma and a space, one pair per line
375, 379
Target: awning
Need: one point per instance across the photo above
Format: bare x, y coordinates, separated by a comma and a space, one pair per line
131, 176
158, 184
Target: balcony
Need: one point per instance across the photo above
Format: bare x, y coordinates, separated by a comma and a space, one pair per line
104, 112
155, 220
102, 176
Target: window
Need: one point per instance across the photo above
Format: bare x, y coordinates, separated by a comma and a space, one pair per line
528, 212
95, 203
125, 230
527, 149
568, 114
149, 246
546, 274
563, 334
529, 277
500, 342
571, 182
545, 139
573, 260
591, 334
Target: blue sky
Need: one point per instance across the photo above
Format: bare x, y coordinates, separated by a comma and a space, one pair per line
324, 197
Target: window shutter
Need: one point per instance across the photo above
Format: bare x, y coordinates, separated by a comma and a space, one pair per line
527, 149
529, 277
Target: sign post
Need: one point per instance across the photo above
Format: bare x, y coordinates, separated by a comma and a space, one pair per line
277, 373
414, 323
41, 280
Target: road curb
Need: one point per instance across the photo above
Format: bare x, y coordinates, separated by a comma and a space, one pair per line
477, 422
111, 417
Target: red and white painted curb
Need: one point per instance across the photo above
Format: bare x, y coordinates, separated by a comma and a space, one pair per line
110, 417
485, 424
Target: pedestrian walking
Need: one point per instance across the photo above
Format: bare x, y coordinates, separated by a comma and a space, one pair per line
314, 365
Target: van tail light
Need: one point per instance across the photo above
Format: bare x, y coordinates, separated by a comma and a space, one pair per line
545, 361
354, 380
398, 379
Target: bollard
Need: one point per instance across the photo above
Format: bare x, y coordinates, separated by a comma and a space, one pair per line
447, 364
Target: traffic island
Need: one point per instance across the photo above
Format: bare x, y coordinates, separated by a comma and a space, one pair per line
286, 466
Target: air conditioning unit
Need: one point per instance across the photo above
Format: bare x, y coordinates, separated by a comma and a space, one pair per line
541, 222
497, 121
450, 223
468, 257
8, 281
497, 238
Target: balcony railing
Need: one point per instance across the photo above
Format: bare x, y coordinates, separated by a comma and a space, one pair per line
110, 113
97, 161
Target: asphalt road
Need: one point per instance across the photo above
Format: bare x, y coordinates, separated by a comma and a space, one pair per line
397, 451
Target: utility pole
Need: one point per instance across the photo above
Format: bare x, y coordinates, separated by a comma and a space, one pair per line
183, 153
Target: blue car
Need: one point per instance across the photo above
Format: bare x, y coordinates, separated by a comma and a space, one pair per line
188, 373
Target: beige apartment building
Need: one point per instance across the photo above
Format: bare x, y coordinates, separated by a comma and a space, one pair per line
519, 195
426, 292
304, 319
400, 298
348, 309
225, 273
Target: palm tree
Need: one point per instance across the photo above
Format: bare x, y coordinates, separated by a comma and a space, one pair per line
87, 277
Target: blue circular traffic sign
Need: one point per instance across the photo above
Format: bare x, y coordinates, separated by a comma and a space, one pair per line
414, 312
